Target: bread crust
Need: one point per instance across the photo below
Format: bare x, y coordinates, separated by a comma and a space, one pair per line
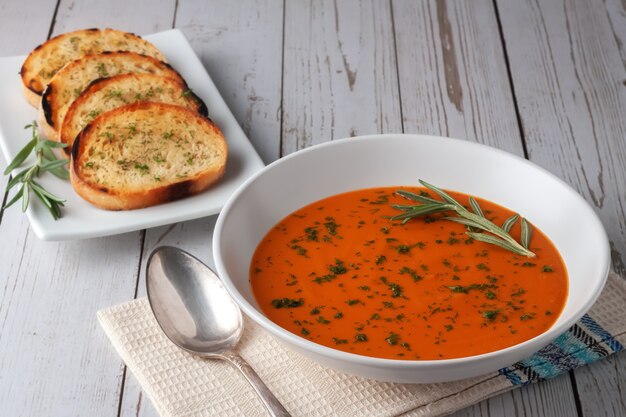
32, 98
55, 100
121, 198
44, 115
145, 87
45, 60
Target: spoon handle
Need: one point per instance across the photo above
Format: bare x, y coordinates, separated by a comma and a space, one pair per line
272, 404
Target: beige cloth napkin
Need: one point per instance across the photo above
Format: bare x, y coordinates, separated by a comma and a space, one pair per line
180, 384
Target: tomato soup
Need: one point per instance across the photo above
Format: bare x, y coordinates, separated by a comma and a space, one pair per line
341, 273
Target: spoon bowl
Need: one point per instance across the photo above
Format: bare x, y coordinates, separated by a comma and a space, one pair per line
190, 303
196, 313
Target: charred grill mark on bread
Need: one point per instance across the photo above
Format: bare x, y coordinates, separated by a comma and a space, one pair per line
77, 142
202, 109
47, 58
179, 190
73, 78
45, 105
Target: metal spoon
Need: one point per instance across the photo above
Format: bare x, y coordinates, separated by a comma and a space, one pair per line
196, 313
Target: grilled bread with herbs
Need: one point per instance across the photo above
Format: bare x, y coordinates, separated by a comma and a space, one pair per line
106, 94
48, 58
73, 78
144, 154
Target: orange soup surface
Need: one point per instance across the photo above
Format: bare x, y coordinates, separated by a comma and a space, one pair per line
340, 273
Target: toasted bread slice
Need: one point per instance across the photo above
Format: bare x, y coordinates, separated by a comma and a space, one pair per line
144, 154
106, 94
74, 77
48, 58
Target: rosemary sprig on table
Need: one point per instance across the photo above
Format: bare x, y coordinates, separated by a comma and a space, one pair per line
476, 222
45, 161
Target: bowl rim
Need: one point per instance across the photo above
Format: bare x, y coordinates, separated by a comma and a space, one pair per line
540, 340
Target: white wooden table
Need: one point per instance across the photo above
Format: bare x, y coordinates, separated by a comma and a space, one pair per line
545, 79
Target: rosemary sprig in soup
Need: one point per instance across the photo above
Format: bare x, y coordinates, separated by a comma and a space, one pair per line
476, 222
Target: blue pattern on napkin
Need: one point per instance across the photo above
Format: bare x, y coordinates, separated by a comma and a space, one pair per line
585, 342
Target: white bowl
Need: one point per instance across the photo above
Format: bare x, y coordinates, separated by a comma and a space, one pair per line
390, 160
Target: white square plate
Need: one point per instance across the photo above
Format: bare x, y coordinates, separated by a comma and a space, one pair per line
82, 220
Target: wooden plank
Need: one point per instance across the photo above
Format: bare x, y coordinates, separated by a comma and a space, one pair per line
141, 17
240, 43
25, 24
616, 13
568, 76
453, 82
57, 358
339, 72
453, 78
601, 387
551, 398
567, 63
